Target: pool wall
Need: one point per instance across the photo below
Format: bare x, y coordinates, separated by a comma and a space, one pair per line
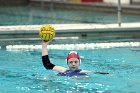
98, 31
102, 7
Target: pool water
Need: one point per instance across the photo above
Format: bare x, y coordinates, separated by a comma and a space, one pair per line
21, 70
26, 15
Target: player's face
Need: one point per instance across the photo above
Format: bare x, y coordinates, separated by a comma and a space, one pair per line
73, 63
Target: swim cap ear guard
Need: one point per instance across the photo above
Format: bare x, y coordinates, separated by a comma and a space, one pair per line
73, 54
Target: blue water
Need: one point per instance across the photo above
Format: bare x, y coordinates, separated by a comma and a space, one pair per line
21, 71
26, 15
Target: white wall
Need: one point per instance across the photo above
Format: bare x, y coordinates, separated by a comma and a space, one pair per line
116, 1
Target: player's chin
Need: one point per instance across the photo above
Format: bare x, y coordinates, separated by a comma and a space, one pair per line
73, 68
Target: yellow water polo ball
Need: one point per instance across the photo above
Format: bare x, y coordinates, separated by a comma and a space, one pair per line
47, 32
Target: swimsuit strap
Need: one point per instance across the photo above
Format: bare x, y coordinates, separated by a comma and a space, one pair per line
78, 70
72, 73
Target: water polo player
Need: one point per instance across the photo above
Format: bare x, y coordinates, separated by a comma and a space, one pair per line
73, 62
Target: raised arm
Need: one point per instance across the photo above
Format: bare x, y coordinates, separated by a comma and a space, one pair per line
46, 61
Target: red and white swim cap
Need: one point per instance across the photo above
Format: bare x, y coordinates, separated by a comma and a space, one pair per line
73, 54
